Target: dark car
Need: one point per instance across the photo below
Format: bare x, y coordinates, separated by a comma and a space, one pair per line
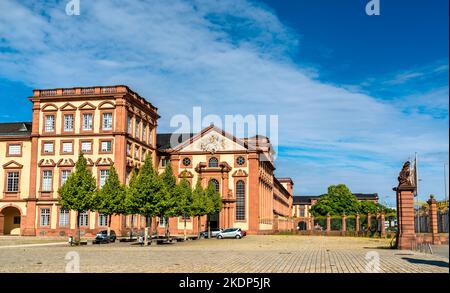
214, 233
102, 237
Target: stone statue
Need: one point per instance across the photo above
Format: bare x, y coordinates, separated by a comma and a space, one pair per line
405, 176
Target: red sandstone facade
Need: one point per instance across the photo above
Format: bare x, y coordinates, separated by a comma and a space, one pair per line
115, 126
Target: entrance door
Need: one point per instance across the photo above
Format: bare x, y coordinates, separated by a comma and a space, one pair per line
11, 221
214, 221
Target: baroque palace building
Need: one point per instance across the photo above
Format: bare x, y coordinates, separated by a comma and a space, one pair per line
114, 125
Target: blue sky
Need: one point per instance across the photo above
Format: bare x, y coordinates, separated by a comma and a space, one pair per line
356, 95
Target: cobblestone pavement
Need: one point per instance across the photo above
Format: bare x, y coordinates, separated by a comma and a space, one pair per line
265, 254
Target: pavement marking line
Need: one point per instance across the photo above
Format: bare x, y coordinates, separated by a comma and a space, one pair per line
33, 245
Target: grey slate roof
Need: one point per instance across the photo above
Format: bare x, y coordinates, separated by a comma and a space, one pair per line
306, 199
163, 140
15, 129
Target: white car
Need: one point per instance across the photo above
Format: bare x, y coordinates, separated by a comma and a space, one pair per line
231, 233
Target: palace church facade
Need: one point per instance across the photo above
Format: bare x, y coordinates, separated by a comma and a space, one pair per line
114, 125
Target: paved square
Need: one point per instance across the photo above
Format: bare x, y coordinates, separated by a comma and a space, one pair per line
253, 254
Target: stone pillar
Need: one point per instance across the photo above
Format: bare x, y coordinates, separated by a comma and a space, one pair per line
357, 224
311, 223
433, 220
2, 223
253, 187
328, 223
28, 228
382, 228
406, 234
344, 225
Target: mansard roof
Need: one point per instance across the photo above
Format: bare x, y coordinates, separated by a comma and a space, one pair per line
15, 129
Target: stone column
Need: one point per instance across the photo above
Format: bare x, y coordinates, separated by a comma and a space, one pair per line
433, 220
311, 223
383, 228
328, 223
406, 234
344, 225
357, 224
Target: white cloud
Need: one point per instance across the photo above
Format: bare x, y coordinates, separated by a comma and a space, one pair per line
230, 57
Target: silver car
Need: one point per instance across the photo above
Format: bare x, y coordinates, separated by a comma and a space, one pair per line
231, 233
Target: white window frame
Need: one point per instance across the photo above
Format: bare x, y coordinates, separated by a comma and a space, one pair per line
65, 148
47, 181
103, 174
65, 175
14, 149
106, 143
83, 143
47, 149
69, 123
49, 124
64, 218
107, 122
44, 220
12, 181
102, 220
87, 123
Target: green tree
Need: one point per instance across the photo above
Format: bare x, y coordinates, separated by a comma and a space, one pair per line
338, 201
214, 203
200, 205
145, 192
184, 198
130, 207
110, 199
168, 206
77, 193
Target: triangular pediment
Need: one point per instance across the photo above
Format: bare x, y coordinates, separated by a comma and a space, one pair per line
87, 106
212, 140
12, 165
49, 108
68, 107
106, 105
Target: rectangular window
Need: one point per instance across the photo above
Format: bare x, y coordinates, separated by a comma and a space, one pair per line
47, 178
103, 177
87, 122
102, 220
129, 124
164, 162
49, 123
14, 150
129, 149
136, 152
45, 217
106, 146
68, 122
64, 216
144, 130
67, 147
149, 137
162, 222
133, 220
64, 175
86, 147
84, 219
48, 148
12, 182
136, 127
107, 121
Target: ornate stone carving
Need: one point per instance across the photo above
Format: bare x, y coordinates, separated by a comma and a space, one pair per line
212, 144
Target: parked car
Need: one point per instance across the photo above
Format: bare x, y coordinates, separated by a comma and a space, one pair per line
102, 237
214, 233
237, 233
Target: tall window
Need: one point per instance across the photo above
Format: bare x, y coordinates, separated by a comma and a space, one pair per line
107, 121
64, 175
129, 124
162, 222
12, 181
84, 219
136, 152
87, 121
144, 130
47, 177
103, 176
215, 183
68, 122
49, 123
45, 217
136, 127
240, 200
213, 162
129, 149
102, 220
64, 218
149, 137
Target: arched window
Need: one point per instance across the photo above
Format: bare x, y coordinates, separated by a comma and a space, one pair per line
213, 162
240, 200
215, 183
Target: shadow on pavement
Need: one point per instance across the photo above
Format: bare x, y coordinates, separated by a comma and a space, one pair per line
437, 263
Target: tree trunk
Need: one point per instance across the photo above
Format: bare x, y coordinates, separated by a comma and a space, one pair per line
151, 231
78, 238
199, 226
167, 228
109, 225
209, 227
184, 232
146, 230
